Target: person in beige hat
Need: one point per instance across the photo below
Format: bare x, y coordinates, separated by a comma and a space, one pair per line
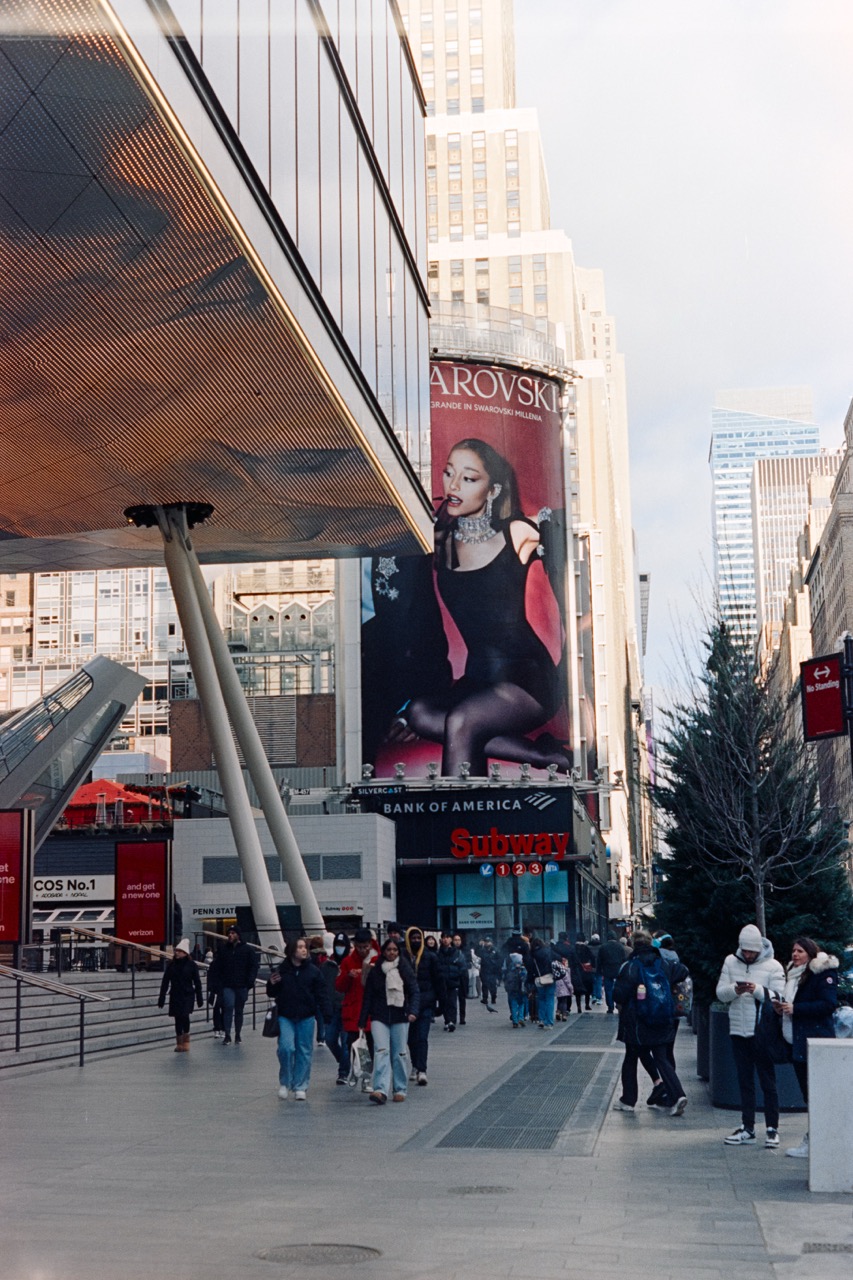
182, 983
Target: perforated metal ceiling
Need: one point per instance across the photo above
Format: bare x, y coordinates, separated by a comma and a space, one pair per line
141, 358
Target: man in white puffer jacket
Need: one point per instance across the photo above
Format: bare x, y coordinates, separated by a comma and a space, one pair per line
745, 979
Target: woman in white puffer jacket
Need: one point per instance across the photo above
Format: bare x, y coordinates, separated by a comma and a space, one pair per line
746, 978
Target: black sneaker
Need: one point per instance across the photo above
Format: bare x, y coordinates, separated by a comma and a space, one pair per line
772, 1139
237, 1040
226, 1039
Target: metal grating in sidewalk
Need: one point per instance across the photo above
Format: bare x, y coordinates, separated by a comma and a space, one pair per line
587, 1031
527, 1112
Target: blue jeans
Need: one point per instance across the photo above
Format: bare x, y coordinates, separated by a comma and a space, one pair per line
517, 1006
390, 1056
546, 999
295, 1049
609, 984
419, 1040
596, 987
233, 1000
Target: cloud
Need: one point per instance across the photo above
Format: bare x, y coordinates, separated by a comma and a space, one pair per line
700, 154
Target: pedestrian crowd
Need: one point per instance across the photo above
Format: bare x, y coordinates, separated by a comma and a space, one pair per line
373, 1006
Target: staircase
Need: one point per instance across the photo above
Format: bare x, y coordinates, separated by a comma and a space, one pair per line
50, 1024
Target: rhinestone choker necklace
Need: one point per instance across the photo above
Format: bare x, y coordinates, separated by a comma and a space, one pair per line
473, 529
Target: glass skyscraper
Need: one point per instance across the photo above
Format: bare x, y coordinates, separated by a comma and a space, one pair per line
745, 426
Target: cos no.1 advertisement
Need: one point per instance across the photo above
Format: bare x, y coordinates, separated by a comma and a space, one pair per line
464, 652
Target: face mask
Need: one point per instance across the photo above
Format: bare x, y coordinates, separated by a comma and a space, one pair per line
339, 951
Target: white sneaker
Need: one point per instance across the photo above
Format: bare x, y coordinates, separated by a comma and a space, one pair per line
679, 1108
413, 1075
801, 1152
772, 1139
422, 1077
282, 1093
300, 1095
623, 1106
740, 1138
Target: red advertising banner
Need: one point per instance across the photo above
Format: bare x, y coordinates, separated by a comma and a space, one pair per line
464, 652
15, 874
821, 686
143, 891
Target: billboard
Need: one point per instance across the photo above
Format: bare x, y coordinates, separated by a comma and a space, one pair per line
16, 857
464, 652
143, 896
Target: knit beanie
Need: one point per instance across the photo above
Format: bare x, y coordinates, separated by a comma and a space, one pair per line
184, 945
750, 938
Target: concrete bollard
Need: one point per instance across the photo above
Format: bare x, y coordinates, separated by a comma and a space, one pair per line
831, 1115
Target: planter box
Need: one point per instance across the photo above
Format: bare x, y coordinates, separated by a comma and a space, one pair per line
723, 1075
700, 1018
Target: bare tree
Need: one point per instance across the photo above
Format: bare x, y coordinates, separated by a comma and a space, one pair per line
737, 784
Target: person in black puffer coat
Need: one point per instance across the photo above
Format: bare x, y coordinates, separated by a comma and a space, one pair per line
182, 983
807, 1009
454, 971
300, 993
647, 1020
391, 1002
233, 973
490, 972
432, 992
586, 973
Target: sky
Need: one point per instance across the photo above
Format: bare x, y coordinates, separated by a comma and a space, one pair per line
700, 154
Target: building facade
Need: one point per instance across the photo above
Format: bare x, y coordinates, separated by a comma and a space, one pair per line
747, 425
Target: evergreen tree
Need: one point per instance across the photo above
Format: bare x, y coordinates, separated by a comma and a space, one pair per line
748, 842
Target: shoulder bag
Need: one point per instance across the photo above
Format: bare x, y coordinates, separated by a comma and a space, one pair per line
768, 1034
270, 1027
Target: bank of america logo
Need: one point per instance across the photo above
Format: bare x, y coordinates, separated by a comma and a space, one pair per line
540, 800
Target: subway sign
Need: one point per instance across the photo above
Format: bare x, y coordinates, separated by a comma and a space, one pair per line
486, 823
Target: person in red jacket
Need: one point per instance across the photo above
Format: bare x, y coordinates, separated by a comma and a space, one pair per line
351, 979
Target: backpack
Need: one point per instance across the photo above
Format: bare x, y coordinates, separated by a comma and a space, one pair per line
559, 970
683, 993
658, 1008
516, 977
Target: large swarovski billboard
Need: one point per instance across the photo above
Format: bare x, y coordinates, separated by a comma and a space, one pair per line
464, 652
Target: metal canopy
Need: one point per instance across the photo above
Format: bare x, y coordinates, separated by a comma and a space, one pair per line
145, 356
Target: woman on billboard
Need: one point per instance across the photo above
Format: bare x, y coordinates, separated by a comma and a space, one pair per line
484, 550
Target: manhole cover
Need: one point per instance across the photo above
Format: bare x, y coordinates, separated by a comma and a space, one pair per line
479, 1191
319, 1255
817, 1247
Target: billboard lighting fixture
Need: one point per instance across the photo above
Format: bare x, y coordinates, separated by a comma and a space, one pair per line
399, 770
576, 774
432, 771
525, 772
465, 769
495, 771
367, 771
552, 772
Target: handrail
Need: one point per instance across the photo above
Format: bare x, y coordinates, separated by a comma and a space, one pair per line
157, 952
19, 977
222, 937
48, 984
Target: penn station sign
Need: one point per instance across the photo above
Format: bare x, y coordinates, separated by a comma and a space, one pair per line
478, 823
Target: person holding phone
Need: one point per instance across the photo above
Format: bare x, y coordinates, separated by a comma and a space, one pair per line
747, 975
808, 1002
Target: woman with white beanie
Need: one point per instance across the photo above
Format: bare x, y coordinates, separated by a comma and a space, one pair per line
182, 982
746, 978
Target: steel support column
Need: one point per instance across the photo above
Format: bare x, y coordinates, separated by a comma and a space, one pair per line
179, 557
256, 760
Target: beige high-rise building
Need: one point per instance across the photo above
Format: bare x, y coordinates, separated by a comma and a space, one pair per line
498, 269
780, 505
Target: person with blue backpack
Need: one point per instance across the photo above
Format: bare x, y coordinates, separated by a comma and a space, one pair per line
514, 976
647, 1020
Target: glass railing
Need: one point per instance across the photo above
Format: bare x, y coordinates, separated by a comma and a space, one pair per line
474, 329
23, 730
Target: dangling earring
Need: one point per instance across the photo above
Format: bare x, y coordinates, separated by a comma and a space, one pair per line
490, 500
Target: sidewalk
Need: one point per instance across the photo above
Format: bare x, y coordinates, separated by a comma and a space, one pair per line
162, 1166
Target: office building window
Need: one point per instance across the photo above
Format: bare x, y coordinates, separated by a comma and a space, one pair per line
455, 233
428, 81
513, 199
481, 230
516, 297
453, 106
476, 75
451, 48
513, 228
427, 52
478, 106
476, 47
475, 17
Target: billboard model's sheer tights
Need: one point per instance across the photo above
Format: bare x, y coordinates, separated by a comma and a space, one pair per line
486, 723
